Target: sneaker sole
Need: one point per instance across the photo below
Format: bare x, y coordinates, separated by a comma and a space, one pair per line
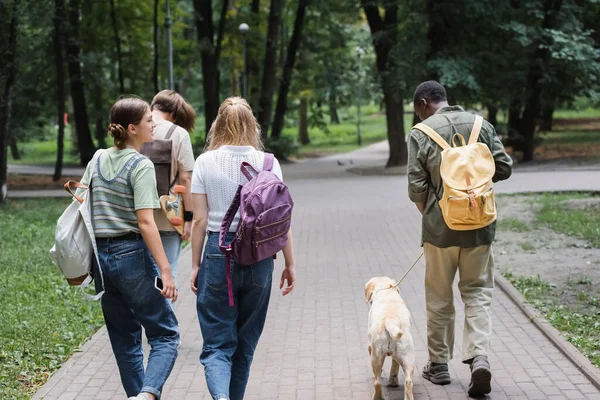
438, 379
480, 382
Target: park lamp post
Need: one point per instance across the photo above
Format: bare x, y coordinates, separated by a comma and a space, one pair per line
168, 24
359, 52
244, 28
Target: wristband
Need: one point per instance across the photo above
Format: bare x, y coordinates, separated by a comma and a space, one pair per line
188, 216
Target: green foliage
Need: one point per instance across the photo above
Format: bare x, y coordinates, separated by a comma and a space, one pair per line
512, 224
42, 319
580, 327
582, 223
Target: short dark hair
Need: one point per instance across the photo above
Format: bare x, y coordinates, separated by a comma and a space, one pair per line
431, 91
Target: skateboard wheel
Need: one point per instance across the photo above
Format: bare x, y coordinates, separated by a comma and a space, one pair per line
179, 189
176, 221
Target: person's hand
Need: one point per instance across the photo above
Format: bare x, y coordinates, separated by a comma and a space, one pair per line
288, 276
169, 289
187, 230
194, 280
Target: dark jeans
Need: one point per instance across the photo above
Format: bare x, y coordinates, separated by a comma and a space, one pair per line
230, 334
130, 301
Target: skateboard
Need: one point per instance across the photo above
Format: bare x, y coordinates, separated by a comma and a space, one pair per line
172, 206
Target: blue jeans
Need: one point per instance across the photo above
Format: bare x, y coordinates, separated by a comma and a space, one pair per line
130, 301
230, 333
171, 242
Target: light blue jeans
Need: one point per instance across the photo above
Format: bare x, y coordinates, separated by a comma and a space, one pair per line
130, 301
171, 242
230, 334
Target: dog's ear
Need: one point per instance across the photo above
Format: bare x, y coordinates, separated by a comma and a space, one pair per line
369, 290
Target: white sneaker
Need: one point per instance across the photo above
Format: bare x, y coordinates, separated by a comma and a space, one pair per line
140, 396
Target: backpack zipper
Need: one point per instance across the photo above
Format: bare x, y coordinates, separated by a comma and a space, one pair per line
266, 240
258, 228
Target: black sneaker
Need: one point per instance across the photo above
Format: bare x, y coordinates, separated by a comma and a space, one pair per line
437, 373
481, 376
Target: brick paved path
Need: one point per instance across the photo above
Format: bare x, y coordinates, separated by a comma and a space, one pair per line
347, 228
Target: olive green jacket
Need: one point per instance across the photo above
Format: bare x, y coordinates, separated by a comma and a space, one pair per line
425, 183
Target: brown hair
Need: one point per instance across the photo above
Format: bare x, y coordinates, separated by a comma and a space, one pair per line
235, 125
170, 101
128, 110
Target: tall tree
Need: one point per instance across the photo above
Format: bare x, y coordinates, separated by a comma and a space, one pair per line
86, 146
269, 78
538, 62
57, 37
384, 32
210, 52
113, 15
155, 37
286, 77
8, 71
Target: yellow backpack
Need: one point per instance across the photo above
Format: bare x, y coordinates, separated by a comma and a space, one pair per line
468, 200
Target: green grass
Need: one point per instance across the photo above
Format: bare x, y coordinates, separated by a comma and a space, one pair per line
582, 329
526, 246
44, 153
512, 224
344, 137
570, 137
42, 319
583, 224
584, 112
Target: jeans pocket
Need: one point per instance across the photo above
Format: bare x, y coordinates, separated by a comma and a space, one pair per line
131, 266
262, 273
215, 273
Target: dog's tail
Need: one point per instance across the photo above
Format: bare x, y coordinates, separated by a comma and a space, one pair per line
391, 325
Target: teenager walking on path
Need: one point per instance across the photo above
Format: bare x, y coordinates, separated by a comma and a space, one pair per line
131, 255
446, 250
175, 118
230, 333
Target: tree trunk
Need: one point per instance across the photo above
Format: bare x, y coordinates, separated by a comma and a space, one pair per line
254, 39
333, 114
534, 86
514, 117
303, 121
286, 78
385, 38
492, 115
113, 14
14, 149
548, 115
86, 146
394, 118
269, 78
60, 85
210, 61
9, 66
155, 32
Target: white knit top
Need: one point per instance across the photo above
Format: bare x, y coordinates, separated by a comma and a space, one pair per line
217, 174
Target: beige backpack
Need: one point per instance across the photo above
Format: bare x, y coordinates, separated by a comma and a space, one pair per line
468, 200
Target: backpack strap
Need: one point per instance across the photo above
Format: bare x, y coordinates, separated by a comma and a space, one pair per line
476, 129
170, 131
268, 162
433, 135
247, 169
226, 248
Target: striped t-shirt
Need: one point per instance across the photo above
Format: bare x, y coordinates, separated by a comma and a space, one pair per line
123, 182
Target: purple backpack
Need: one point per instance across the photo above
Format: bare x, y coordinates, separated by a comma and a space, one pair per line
265, 218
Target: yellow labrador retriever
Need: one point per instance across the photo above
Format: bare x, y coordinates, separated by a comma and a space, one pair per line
389, 334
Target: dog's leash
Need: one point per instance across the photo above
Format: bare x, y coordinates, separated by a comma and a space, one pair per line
405, 274
410, 269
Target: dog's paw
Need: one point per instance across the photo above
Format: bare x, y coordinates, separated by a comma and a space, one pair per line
375, 397
393, 381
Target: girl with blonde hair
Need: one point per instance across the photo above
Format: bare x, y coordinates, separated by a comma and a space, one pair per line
230, 334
